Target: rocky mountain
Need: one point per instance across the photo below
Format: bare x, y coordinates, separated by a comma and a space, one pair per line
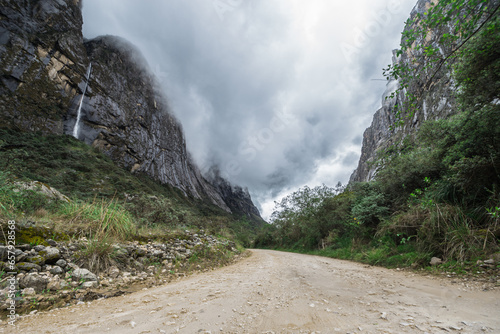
101, 91
238, 199
436, 99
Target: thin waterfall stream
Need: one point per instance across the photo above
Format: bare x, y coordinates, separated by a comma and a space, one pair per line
76, 129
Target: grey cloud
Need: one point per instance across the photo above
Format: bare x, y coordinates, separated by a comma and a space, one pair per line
350, 159
357, 141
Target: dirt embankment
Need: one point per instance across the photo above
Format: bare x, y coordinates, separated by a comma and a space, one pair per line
275, 292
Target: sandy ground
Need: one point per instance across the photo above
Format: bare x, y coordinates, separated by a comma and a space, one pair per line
275, 292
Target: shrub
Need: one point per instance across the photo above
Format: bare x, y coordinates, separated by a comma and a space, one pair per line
370, 204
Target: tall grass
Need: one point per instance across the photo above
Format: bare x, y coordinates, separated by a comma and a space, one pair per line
103, 222
99, 217
97, 255
445, 230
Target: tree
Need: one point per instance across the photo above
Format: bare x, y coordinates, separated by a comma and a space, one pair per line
295, 215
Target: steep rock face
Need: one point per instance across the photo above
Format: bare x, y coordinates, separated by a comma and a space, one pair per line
126, 116
377, 136
42, 59
436, 101
43, 65
237, 198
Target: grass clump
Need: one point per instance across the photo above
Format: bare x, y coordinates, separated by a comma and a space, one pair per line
101, 217
97, 253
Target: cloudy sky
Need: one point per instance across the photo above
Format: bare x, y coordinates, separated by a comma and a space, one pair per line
276, 92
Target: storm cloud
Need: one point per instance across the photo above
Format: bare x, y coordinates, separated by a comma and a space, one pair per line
277, 93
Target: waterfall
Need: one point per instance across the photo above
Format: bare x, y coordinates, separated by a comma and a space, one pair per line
76, 129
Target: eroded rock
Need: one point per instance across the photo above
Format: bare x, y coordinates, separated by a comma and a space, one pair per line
435, 261
50, 254
83, 275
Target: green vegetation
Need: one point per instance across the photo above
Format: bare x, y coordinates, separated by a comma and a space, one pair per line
106, 201
437, 192
426, 60
98, 254
100, 216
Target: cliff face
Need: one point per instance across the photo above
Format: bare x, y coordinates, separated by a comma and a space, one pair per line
237, 198
436, 102
44, 61
126, 117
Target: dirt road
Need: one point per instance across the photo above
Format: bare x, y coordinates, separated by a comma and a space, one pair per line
275, 292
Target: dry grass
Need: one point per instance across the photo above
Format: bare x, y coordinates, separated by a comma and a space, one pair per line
97, 255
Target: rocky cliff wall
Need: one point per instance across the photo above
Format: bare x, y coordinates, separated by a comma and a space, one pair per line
43, 64
42, 59
238, 199
127, 117
436, 101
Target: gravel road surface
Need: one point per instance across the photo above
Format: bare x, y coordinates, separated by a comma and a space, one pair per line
276, 292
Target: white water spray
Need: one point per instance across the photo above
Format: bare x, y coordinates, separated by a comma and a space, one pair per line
76, 129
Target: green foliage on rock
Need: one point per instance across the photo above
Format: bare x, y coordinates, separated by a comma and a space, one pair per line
429, 46
478, 68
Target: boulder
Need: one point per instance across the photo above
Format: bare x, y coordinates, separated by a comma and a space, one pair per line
21, 257
83, 275
54, 284
90, 285
157, 253
435, 261
35, 281
39, 248
120, 252
18, 252
27, 266
113, 272
61, 263
51, 254
24, 247
51, 242
44, 189
56, 270
37, 259
28, 292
